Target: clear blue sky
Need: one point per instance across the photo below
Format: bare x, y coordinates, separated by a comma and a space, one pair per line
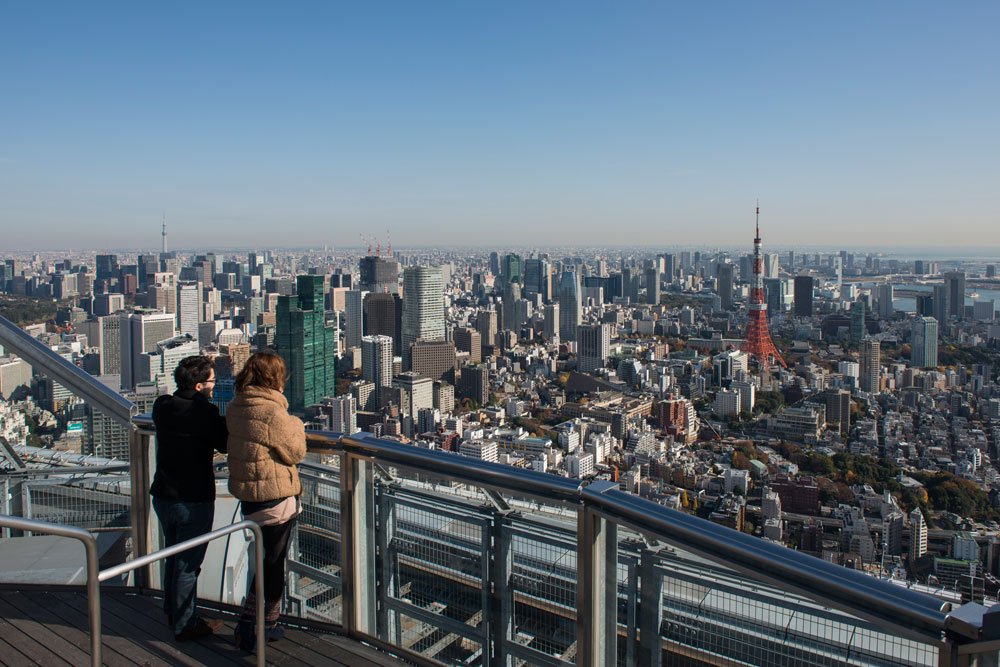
290, 124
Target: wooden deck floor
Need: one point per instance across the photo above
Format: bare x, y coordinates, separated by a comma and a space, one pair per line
50, 627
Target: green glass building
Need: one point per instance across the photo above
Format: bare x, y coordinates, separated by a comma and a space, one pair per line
306, 343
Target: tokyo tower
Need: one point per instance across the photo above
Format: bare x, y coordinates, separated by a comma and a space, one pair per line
757, 341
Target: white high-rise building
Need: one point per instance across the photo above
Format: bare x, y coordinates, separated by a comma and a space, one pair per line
188, 308
918, 535
376, 361
139, 334
343, 412
423, 307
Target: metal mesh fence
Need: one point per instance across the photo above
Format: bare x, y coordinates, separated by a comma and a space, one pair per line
314, 581
710, 614
93, 503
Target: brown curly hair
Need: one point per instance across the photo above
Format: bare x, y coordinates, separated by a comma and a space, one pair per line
262, 369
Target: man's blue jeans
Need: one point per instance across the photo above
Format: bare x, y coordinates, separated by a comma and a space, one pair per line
181, 521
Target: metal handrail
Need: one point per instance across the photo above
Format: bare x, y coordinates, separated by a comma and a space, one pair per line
95, 576
838, 587
73, 378
93, 582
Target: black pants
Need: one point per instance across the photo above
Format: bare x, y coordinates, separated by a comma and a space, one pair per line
275, 544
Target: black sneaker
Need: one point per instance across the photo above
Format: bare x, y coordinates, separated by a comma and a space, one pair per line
203, 627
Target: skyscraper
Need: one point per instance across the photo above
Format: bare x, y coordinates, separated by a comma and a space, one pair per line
593, 347
652, 286
376, 362
724, 284
511, 268
306, 343
857, 321
383, 315
139, 333
469, 340
883, 295
803, 295
918, 534
188, 307
354, 316
538, 278
379, 274
871, 365
924, 345
486, 323
423, 307
941, 303
569, 305
955, 280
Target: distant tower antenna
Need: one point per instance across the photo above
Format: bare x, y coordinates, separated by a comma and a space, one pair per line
163, 233
388, 244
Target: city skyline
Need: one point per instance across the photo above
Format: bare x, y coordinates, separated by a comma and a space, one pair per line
855, 125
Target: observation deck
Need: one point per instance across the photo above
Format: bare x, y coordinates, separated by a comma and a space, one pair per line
407, 555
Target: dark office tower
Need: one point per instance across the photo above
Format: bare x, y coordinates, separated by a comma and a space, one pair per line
379, 274
538, 278
670, 267
570, 307
495, 263
774, 295
724, 285
434, 359
487, 324
254, 260
652, 286
383, 316
942, 303
857, 321
148, 265
469, 340
838, 410
107, 267
924, 343
423, 307
791, 260
955, 280
991, 270
511, 295
306, 343
474, 384
340, 280
803, 295
511, 268
925, 305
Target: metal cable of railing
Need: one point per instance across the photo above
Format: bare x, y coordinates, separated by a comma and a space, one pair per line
95, 576
76, 380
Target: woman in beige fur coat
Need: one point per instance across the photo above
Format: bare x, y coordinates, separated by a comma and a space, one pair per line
265, 443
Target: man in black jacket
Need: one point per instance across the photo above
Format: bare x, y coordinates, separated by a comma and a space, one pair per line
189, 430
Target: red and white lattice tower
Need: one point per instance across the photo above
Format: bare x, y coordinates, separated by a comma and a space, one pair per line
757, 341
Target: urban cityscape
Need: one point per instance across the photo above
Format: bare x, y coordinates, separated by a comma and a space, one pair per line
630, 334
843, 404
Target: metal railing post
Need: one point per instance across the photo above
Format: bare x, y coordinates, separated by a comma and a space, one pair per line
357, 543
650, 609
500, 619
597, 584
140, 459
388, 620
